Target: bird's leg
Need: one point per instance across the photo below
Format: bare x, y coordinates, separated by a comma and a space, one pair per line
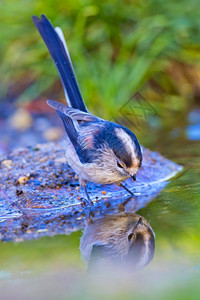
88, 217
121, 207
83, 184
88, 197
120, 184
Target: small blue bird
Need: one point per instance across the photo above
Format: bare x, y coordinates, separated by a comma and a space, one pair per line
98, 150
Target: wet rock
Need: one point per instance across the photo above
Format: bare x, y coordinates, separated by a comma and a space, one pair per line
51, 194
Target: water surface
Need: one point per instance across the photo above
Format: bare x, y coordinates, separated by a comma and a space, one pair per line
174, 216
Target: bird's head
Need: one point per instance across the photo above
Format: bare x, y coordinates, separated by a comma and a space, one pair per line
124, 240
127, 151
141, 243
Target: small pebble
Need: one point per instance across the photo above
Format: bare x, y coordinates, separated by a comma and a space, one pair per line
19, 192
44, 159
7, 163
61, 160
22, 180
42, 230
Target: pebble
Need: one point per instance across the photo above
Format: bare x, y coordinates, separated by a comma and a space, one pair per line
19, 192
43, 159
7, 163
61, 160
22, 179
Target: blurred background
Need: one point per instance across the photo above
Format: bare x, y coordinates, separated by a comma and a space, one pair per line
118, 49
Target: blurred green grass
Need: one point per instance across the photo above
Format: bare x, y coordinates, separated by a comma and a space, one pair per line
117, 48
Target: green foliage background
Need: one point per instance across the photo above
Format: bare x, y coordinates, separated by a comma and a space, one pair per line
117, 48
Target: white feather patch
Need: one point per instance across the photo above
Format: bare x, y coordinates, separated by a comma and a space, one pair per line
127, 142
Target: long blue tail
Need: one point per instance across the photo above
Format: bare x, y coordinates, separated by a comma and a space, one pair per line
62, 61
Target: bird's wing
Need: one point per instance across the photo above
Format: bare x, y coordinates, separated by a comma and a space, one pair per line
74, 114
70, 129
100, 255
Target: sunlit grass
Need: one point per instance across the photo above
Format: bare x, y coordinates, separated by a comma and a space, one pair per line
116, 48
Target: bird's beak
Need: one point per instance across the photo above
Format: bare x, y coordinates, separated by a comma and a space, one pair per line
133, 177
139, 222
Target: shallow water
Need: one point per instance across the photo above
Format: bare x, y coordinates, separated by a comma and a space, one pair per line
41, 267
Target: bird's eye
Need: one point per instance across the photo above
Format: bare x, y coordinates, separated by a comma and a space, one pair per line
119, 165
130, 237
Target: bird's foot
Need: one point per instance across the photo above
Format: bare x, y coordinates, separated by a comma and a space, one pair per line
120, 184
121, 207
88, 200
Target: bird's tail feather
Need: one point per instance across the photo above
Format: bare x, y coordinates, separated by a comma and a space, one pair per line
55, 42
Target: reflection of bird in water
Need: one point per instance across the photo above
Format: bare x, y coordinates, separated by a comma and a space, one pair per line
125, 238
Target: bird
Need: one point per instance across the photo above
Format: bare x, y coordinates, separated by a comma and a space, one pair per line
124, 238
98, 150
